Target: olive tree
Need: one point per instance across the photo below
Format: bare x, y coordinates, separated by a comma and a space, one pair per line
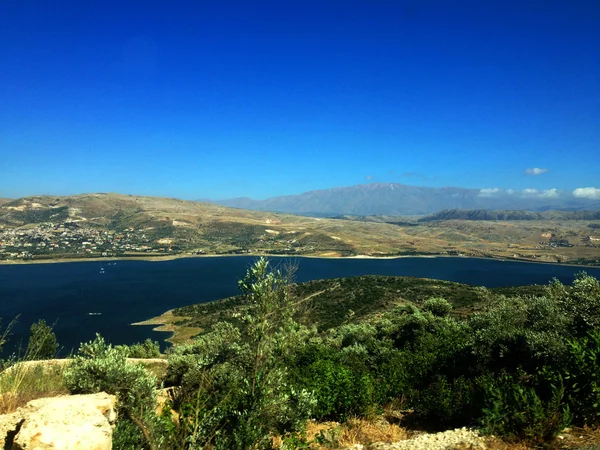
235, 390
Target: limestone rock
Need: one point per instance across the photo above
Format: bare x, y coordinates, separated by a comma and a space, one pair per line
71, 422
446, 440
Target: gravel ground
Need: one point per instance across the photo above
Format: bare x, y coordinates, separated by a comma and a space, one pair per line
447, 440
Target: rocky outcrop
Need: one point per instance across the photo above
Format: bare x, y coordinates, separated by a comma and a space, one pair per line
74, 422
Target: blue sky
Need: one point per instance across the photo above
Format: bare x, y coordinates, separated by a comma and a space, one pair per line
224, 99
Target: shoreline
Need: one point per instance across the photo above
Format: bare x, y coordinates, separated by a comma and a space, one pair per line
167, 323
257, 255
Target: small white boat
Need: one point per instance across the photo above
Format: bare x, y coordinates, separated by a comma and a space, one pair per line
94, 314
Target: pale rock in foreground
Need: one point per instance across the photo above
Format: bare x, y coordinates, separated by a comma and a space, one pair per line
447, 440
74, 422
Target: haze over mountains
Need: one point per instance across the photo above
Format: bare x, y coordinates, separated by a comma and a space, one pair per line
487, 214
401, 199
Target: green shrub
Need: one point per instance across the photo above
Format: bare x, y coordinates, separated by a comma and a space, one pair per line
128, 436
440, 347
392, 379
42, 342
444, 403
526, 407
580, 302
100, 367
338, 391
235, 386
582, 379
520, 331
352, 334
188, 363
437, 306
147, 349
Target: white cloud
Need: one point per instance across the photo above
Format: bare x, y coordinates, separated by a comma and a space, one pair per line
549, 193
530, 192
535, 171
588, 192
369, 177
489, 192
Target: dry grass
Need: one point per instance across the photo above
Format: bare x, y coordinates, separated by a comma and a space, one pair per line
326, 435
323, 435
156, 366
23, 383
578, 438
494, 443
360, 431
29, 380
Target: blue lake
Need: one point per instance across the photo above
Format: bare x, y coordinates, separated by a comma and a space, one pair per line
64, 294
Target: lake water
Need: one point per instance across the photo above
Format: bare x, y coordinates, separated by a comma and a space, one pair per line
118, 294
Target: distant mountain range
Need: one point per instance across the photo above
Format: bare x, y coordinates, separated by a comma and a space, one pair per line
400, 199
484, 214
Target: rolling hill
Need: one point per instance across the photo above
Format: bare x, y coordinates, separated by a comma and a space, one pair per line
117, 225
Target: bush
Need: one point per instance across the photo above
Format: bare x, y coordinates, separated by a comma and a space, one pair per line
526, 407
42, 342
128, 436
147, 349
99, 367
188, 363
338, 391
445, 403
437, 306
580, 302
519, 331
235, 389
583, 379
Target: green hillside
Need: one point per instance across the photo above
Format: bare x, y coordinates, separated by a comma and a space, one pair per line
330, 303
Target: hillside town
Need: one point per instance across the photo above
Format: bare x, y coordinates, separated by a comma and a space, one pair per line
70, 239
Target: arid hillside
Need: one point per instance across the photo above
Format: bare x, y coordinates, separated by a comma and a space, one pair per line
116, 225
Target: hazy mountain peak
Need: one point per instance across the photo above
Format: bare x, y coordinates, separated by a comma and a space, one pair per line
401, 199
